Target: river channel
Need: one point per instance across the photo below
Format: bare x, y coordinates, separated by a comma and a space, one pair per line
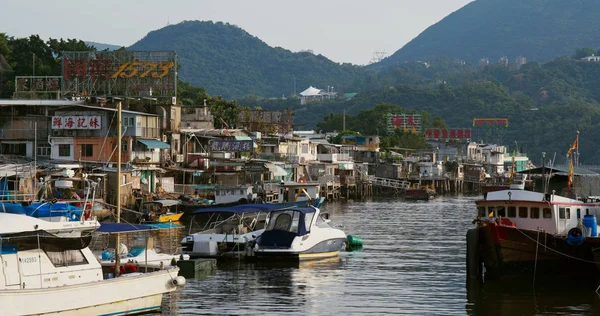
412, 262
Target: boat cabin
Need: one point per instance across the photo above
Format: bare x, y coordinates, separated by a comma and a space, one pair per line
285, 224
533, 210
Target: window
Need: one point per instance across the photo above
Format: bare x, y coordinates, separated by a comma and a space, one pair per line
547, 213
128, 121
305, 148
14, 149
481, 211
308, 220
512, 211
87, 150
491, 211
578, 213
43, 151
66, 258
125, 146
561, 213
568, 213
501, 211
535, 212
64, 150
522, 212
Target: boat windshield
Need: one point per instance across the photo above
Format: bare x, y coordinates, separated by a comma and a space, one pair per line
284, 220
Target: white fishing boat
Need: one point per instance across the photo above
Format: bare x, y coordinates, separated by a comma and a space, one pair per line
48, 269
225, 231
299, 233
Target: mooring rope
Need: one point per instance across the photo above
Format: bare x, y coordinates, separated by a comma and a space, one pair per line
537, 244
558, 252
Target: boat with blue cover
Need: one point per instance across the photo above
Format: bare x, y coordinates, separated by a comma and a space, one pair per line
225, 231
299, 233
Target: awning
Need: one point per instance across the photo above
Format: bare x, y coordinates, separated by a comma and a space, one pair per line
276, 170
153, 143
243, 138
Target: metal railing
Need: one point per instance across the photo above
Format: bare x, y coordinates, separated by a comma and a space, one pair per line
388, 183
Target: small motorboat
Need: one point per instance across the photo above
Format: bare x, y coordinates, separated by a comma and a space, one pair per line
225, 231
161, 211
299, 233
142, 254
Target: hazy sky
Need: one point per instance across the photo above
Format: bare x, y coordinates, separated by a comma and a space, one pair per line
342, 30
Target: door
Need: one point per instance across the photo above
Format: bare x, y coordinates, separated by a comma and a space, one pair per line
562, 220
10, 265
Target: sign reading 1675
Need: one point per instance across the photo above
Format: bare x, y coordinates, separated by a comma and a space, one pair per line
143, 69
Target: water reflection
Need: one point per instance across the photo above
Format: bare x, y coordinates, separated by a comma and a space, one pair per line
513, 297
413, 262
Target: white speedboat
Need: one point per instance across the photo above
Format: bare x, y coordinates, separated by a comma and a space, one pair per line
225, 231
299, 233
48, 269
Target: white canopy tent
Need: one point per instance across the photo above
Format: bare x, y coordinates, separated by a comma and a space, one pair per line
311, 91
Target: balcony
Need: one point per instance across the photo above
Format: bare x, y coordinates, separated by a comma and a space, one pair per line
289, 158
333, 157
145, 157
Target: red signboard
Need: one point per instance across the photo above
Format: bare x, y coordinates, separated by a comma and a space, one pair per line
403, 121
490, 122
450, 133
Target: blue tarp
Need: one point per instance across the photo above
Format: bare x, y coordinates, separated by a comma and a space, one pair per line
43, 209
114, 228
164, 225
153, 143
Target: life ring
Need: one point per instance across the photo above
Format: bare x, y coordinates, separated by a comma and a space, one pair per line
129, 268
126, 268
575, 236
301, 180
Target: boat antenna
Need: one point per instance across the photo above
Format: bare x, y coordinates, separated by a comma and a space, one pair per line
544, 171
551, 168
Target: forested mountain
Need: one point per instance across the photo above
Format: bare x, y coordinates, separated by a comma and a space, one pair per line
540, 30
228, 61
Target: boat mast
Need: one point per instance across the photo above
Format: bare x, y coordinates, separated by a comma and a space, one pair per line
544, 172
118, 194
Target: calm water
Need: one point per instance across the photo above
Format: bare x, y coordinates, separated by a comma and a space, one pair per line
413, 262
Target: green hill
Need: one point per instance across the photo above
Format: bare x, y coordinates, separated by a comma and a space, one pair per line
539, 30
226, 60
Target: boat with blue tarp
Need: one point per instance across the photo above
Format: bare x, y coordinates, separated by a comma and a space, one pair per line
225, 231
299, 233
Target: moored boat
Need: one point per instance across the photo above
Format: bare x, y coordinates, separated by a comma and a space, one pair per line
299, 233
48, 269
225, 231
522, 232
422, 194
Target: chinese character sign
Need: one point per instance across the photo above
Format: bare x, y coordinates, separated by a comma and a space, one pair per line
119, 73
451, 133
76, 122
490, 122
232, 145
406, 122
